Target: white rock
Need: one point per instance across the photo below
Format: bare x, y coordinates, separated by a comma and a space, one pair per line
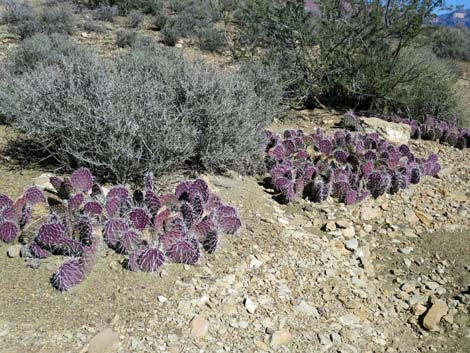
249, 305
349, 320
103, 342
351, 244
162, 299
199, 327
305, 308
281, 337
14, 251
393, 132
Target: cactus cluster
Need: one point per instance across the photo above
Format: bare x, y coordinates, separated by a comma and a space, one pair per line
350, 121
346, 166
14, 215
149, 229
435, 130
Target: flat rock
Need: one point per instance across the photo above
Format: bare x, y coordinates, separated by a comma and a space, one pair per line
103, 342
305, 308
394, 132
434, 315
351, 244
369, 213
249, 305
199, 327
280, 338
43, 182
424, 218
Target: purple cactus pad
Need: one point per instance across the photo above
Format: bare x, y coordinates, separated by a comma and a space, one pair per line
82, 180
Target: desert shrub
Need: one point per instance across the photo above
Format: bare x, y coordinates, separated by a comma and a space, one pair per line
56, 19
135, 19
339, 53
90, 25
183, 225
428, 88
147, 109
151, 7
194, 14
42, 49
126, 38
106, 13
16, 11
170, 33
450, 43
159, 21
282, 34
211, 38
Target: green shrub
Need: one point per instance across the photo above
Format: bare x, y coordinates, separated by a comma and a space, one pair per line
56, 19
135, 19
151, 7
450, 42
159, 21
282, 34
106, 13
42, 49
16, 11
429, 88
170, 33
339, 53
126, 38
211, 38
146, 109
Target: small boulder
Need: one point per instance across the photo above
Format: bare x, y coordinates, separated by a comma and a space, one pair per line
394, 132
280, 338
14, 251
199, 327
434, 315
103, 342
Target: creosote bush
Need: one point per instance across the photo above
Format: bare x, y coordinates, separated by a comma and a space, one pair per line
148, 109
362, 54
147, 228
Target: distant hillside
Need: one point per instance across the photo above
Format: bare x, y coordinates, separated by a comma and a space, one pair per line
459, 17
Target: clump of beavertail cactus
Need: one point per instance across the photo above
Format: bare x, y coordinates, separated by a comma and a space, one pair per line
346, 166
148, 228
433, 129
14, 215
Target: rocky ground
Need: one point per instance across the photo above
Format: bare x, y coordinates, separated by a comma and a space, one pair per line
389, 275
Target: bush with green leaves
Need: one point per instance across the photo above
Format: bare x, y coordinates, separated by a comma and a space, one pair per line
450, 42
42, 49
135, 19
126, 38
170, 33
211, 38
159, 21
145, 109
15, 11
106, 13
54, 19
347, 53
